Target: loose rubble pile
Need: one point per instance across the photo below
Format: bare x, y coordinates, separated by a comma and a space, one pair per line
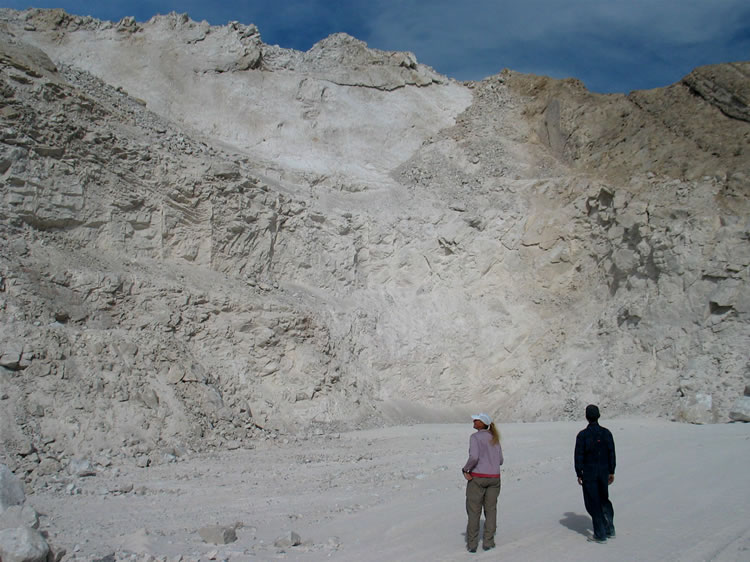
261, 242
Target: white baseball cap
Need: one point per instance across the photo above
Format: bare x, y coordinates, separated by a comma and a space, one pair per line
484, 418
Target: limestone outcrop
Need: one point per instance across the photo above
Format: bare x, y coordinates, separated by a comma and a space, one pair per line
207, 241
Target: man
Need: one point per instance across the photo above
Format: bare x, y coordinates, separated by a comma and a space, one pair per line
595, 468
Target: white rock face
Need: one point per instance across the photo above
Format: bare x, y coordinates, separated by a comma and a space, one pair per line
208, 240
339, 113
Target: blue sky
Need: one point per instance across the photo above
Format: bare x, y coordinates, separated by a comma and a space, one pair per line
611, 45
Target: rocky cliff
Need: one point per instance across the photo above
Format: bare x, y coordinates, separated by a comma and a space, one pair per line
207, 240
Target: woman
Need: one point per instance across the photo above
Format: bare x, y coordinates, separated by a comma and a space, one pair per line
482, 472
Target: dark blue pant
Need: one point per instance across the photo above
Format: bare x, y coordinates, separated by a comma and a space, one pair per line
596, 500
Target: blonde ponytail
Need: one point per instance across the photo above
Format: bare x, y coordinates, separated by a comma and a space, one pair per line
495, 434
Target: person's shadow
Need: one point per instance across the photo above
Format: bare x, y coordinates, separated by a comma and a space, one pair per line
578, 523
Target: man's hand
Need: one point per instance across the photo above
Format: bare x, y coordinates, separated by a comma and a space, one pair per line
611, 478
468, 476
580, 481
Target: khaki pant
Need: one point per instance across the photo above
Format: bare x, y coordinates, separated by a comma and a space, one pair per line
481, 493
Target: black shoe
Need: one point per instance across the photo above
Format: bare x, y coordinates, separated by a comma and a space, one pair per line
596, 540
473, 549
611, 534
488, 547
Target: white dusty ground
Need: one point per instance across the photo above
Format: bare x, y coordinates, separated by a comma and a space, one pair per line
681, 493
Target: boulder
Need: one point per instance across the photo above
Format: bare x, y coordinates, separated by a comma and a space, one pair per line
19, 516
10, 355
697, 409
81, 467
23, 544
218, 534
11, 489
288, 539
741, 410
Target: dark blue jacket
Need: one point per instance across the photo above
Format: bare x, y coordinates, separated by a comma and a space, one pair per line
595, 451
